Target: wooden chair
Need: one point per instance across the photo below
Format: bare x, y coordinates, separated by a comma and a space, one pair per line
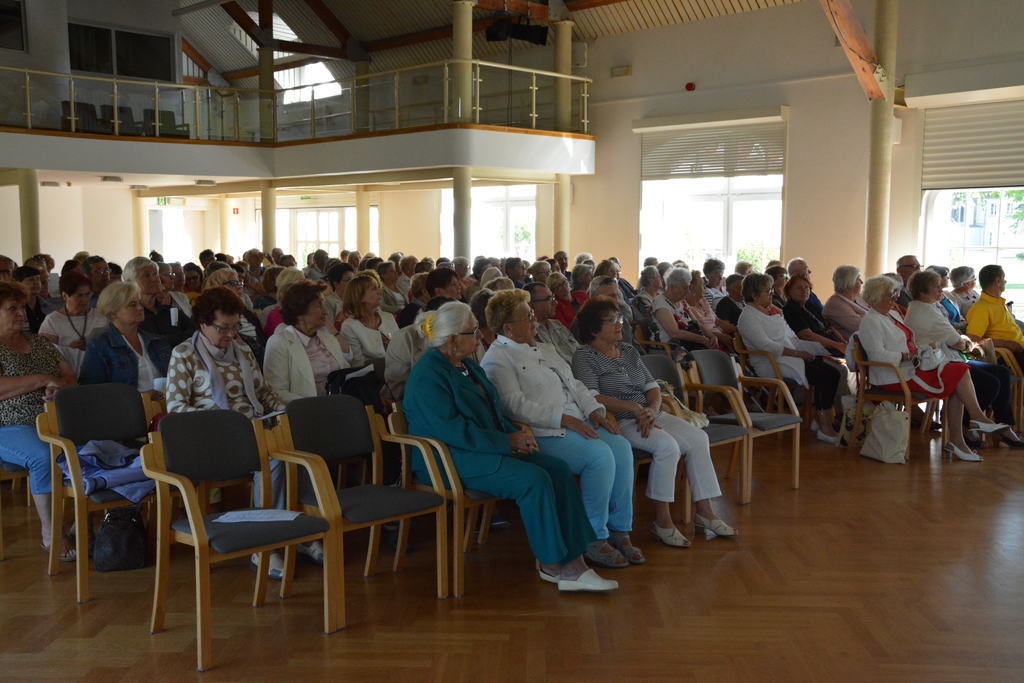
648, 345
1006, 357
224, 448
745, 354
16, 475
717, 373
867, 392
75, 416
335, 429
466, 503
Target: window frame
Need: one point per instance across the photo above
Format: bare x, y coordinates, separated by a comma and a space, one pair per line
24, 29
174, 49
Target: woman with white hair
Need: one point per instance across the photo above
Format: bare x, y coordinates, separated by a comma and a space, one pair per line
964, 292
845, 309
674, 325
490, 274
885, 338
164, 315
448, 397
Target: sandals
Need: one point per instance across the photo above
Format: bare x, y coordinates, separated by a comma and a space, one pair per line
68, 555
632, 554
606, 559
671, 536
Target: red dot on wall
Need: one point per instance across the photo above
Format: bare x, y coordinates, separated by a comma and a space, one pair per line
691, 86
235, 211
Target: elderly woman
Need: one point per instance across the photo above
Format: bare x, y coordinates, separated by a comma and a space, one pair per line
393, 299
338, 277
802, 320
845, 309
609, 286
418, 298
285, 279
540, 271
731, 305
268, 288
123, 354
582, 274
450, 398
949, 307
537, 387
763, 328
405, 349
779, 277
71, 327
36, 307
698, 308
31, 371
714, 287
565, 305
166, 314
963, 293
625, 386
887, 339
674, 324
478, 305
250, 330
304, 351
930, 325
367, 329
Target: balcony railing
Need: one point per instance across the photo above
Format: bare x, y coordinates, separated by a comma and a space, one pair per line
441, 92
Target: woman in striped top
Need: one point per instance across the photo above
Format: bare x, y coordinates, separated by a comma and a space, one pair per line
625, 386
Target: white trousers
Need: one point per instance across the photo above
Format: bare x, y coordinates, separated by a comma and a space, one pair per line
675, 438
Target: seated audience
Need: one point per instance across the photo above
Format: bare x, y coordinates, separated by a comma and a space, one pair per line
949, 307
250, 330
367, 329
989, 316
165, 316
625, 386
582, 274
538, 388
338, 277
608, 286
123, 354
650, 285
930, 325
549, 330
36, 307
798, 266
779, 279
764, 328
561, 260
539, 272
95, 268
285, 279
731, 305
674, 325
963, 292
714, 288
566, 304
407, 268
71, 327
393, 300
845, 309
905, 267
193, 279
698, 308
886, 339
304, 350
418, 298
405, 349
743, 268
804, 322
478, 306
31, 372
268, 288
490, 274
443, 401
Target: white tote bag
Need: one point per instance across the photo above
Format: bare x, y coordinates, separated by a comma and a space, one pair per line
888, 434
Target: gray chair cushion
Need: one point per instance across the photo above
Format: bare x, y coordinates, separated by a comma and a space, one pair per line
230, 537
11, 467
640, 454
664, 368
916, 395
106, 496
100, 411
361, 504
761, 421
715, 367
211, 445
718, 433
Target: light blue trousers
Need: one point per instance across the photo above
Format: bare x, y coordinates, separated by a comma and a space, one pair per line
605, 468
20, 445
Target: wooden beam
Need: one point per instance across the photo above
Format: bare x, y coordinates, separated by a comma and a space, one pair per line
580, 5
854, 41
194, 80
194, 55
426, 36
244, 21
308, 49
279, 65
330, 22
530, 8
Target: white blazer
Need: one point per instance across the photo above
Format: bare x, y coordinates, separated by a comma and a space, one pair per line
367, 344
536, 386
286, 366
884, 342
931, 325
770, 333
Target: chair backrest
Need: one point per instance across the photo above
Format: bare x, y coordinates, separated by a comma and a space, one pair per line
715, 367
100, 412
664, 368
334, 427
210, 445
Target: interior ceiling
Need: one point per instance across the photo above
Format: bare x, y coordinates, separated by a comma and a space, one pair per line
373, 20
79, 178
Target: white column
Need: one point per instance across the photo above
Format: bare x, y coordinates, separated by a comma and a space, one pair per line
562, 206
563, 65
880, 164
28, 203
140, 225
267, 98
268, 213
225, 224
361, 99
462, 191
462, 48
362, 220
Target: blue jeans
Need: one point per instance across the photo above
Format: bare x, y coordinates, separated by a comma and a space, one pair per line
20, 445
605, 466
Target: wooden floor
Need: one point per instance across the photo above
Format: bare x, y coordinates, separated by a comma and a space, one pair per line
868, 572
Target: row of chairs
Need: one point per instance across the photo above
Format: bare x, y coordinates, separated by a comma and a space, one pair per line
87, 121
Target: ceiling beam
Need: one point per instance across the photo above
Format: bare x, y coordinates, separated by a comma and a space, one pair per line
203, 4
279, 65
580, 5
309, 49
244, 21
529, 8
854, 41
426, 36
329, 20
194, 55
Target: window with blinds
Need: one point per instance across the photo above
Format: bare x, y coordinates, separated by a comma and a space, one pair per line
974, 146
714, 152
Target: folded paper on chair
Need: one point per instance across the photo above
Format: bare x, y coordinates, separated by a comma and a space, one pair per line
258, 516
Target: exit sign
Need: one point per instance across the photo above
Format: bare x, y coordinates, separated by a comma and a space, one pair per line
161, 201
305, 197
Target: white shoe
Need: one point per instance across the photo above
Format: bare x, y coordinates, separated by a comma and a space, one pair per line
715, 526
671, 536
588, 581
969, 456
276, 565
314, 550
822, 436
547, 577
987, 427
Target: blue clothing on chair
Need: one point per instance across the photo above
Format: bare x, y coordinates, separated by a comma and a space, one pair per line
109, 465
108, 358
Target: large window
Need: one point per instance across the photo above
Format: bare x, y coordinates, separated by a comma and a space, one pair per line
329, 228
692, 219
504, 222
976, 227
122, 53
12, 25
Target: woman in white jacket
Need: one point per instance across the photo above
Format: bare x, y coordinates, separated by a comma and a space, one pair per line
886, 339
367, 329
763, 328
537, 387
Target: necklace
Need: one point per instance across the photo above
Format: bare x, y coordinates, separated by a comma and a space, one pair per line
85, 325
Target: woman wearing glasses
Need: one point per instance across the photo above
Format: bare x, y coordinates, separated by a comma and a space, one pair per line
537, 388
250, 330
626, 387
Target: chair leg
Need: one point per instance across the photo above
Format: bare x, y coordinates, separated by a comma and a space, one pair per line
56, 530
372, 551
441, 533
471, 515
287, 572
929, 413
487, 511
851, 440
163, 558
259, 594
796, 458
334, 582
204, 642
81, 550
403, 540
2, 557
747, 471
458, 558
734, 459
687, 499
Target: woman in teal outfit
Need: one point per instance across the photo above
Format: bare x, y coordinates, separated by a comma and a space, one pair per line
448, 397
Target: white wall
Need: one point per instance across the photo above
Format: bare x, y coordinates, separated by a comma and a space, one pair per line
409, 222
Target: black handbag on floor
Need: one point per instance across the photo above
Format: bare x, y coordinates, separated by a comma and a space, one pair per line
121, 541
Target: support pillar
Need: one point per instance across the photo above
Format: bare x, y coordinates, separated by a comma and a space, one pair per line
562, 205
362, 221
462, 74
563, 65
361, 99
268, 214
876, 257
266, 74
225, 225
140, 225
28, 203
462, 191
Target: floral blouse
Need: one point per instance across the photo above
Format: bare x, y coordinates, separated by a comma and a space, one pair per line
42, 358
189, 388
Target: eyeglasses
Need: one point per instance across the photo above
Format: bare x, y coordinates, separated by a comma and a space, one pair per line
617, 320
232, 283
529, 319
468, 334
913, 266
102, 270
548, 299
226, 330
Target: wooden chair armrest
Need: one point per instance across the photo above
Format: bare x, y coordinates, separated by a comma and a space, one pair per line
58, 445
732, 395
778, 384
424, 447
1009, 359
189, 495
326, 496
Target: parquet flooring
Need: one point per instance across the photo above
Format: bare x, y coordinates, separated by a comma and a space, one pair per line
868, 572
